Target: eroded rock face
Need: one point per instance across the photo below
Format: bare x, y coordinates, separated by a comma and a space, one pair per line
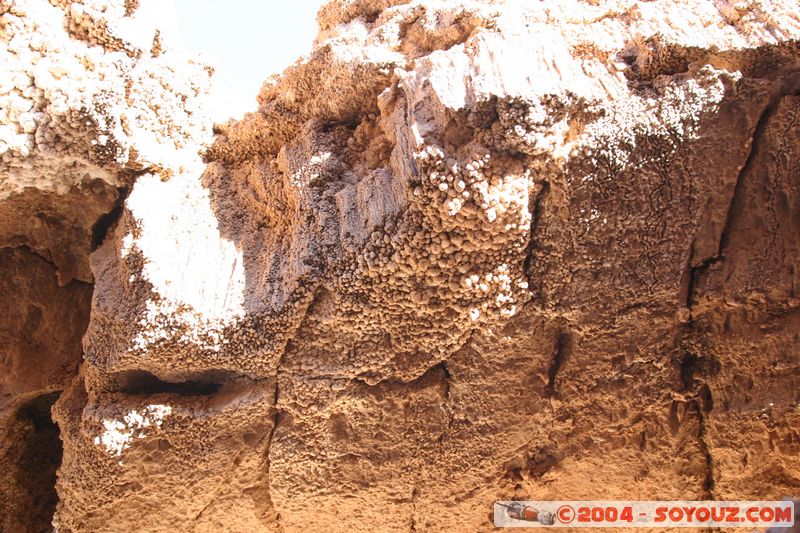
41, 324
90, 98
463, 252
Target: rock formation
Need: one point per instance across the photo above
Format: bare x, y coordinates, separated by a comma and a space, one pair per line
463, 252
89, 100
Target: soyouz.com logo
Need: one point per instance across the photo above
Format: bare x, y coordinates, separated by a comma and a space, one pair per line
644, 514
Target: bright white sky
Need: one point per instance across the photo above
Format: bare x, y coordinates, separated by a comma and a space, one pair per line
246, 41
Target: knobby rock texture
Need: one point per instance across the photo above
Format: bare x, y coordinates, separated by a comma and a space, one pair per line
462, 252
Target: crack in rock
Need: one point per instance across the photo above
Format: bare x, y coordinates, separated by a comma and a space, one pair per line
561, 352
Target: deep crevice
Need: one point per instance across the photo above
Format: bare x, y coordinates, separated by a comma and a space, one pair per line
690, 365
143, 383
694, 275
35, 455
536, 213
106, 222
688, 368
276, 418
563, 348
702, 439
